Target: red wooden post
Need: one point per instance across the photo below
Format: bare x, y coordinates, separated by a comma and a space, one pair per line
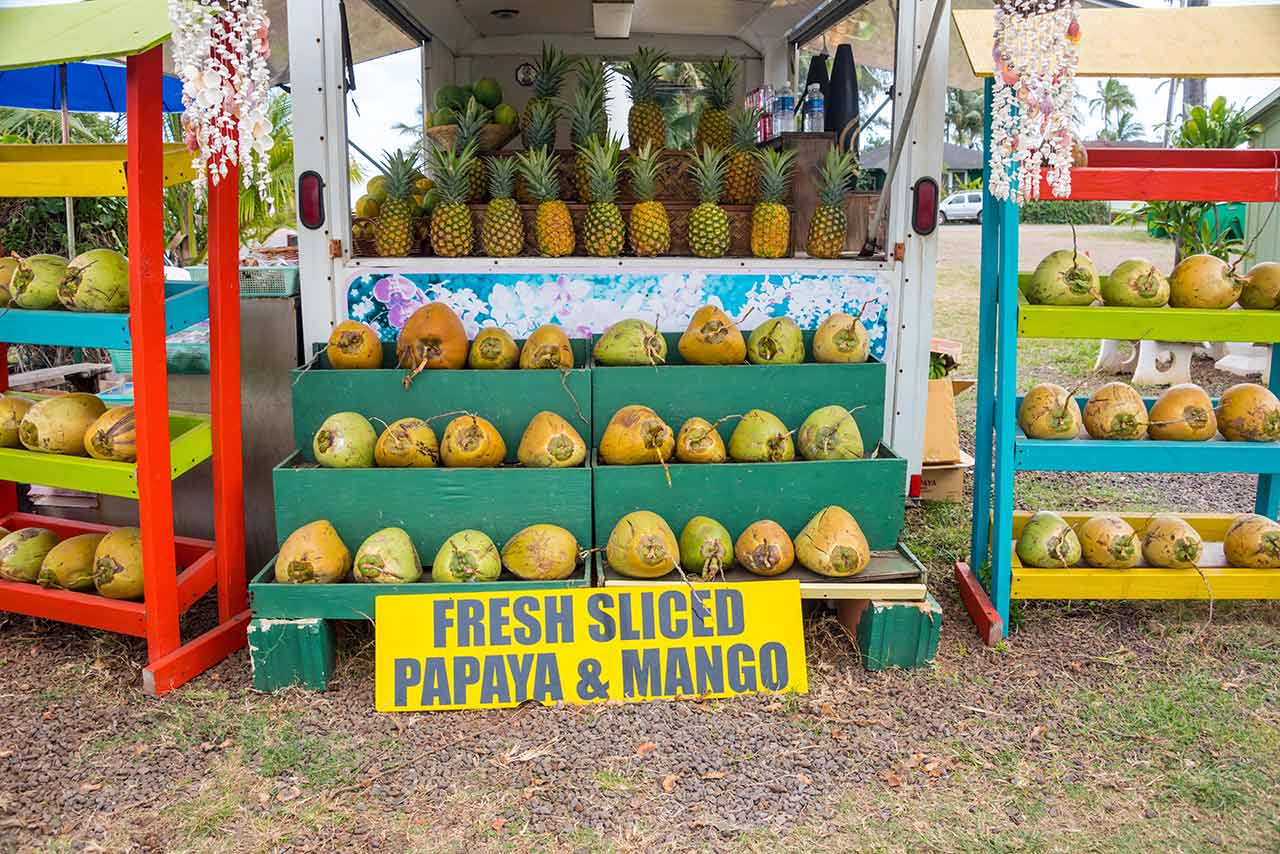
147, 327
224, 390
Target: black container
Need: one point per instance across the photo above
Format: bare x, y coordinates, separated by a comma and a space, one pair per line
817, 73
842, 97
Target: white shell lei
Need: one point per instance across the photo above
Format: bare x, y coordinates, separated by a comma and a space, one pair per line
1033, 100
220, 52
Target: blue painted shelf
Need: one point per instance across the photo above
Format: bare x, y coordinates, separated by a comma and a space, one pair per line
186, 304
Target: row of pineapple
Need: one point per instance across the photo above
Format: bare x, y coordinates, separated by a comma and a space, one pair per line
605, 233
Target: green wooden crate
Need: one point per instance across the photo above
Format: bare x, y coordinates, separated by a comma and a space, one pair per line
509, 399
678, 391
431, 504
353, 601
737, 494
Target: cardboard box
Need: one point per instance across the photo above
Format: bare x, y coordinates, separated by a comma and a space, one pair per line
945, 482
941, 431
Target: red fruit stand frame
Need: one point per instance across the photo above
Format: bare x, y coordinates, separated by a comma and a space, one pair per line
168, 593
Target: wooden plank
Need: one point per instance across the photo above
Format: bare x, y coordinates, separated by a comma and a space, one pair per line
167, 672
986, 619
1145, 455
1151, 324
1157, 184
1225, 41
291, 652
988, 289
1145, 583
1119, 157
81, 171
186, 304
52, 376
66, 606
197, 579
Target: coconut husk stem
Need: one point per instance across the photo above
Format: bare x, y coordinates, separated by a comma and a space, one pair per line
311, 363
742, 319
826, 443
714, 425
666, 469
564, 384
455, 413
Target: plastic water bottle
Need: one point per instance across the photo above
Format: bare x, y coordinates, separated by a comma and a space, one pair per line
784, 112
815, 110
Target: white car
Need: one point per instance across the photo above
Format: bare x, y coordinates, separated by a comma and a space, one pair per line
958, 206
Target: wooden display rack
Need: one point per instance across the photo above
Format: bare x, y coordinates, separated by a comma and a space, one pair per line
167, 445
1245, 38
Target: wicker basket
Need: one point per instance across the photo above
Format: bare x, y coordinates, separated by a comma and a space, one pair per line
492, 136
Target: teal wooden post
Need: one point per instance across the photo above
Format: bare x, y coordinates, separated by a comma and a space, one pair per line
1268, 502
987, 291
1005, 407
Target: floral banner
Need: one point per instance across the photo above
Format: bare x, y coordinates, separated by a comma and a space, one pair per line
587, 303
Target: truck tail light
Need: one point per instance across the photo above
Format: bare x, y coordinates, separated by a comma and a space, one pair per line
924, 206
311, 199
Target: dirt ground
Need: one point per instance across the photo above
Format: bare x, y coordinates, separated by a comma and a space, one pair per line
1094, 727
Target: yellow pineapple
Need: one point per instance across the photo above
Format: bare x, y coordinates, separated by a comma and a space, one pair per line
603, 231
829, 222
645, 121
771, 221
708, 223
470, 124
452, 232
393, 227
552, 224
548, 78
502, 232
540, 133
650, 230
719, 85
742, 176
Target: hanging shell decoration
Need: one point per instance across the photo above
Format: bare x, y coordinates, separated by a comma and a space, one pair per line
1033, 97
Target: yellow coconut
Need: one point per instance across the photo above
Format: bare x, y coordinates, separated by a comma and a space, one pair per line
313, 554
1184, 413
70, 564
354, 345
841, 338
407, 443
1253, 541
547, 348
472, 442
493, 349
114, 436
1249, 412
636, 435
764, 548
541, 553
1261, 289
1116, 411
1204, 281
432, 339
1109, 542
1048, 411
712, 338
57, 425
699, 442
117, 564
551, 442
12, 411
642, 545
833, 544
1170, 543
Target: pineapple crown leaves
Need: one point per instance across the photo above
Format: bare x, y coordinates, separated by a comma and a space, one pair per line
472, 121
602, 167
587, 116
549, 72
646, 169
744, 124
641, 74
719, 81
502, 177
540, 170
834, 174
593, 76
540, 132
775, 171
400, 168
707, 168
450, 170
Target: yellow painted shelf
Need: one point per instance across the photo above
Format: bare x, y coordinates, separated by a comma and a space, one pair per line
1146, 582
79, 170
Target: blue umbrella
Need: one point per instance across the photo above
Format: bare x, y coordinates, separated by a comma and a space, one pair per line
92, 86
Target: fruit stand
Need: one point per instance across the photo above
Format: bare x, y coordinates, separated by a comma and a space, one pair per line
1242, 38
176, 572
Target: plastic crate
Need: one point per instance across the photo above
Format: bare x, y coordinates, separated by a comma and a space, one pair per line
258, 281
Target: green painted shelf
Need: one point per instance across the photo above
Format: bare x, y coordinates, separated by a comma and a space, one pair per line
190, 443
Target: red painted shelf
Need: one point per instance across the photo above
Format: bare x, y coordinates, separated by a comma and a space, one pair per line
1175, 174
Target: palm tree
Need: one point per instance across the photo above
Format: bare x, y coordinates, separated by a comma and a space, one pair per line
963, 117
1113, 97
1127, 128
414, 130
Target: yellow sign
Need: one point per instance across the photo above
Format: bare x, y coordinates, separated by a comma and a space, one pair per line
487, 650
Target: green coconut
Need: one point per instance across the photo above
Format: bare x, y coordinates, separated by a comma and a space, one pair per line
776, 342
761, 437
465, 557
841, 338
387, 557
35, 281
97, 280
1065, 277
1047, 542
22, 552
706, 549
7, 268
117, 564
345, 440
630, 342
57, 425
830, 433
70, 564
1136, 283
